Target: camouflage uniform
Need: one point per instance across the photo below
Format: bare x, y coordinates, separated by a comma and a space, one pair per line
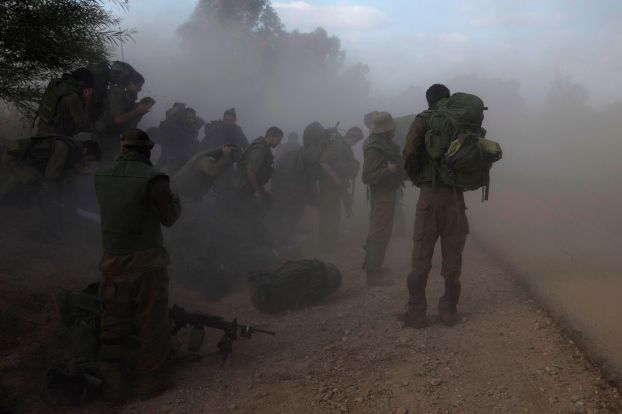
135, 200
440, 213
383, 184
338, 156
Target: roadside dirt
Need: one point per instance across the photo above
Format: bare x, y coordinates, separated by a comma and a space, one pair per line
350, 355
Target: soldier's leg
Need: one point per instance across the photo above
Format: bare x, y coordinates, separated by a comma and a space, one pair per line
115, 292
153, 326
425, 234
380, 227
455, 227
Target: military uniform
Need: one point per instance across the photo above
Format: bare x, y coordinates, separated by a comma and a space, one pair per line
108, 133
383, 184
135, 200
338, 156
198, 175
440, 212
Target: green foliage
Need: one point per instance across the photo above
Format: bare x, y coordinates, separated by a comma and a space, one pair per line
40, 39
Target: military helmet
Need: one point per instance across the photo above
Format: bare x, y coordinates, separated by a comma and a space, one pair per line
368, 119
383, 122
136, 138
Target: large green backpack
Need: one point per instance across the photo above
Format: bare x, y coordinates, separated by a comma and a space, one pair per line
294, 285
455, 142
54, 92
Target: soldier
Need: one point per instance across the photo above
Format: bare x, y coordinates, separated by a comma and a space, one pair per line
383, 174
65, 106
135, 201
177, 135
440, 212
121, 113
256, 166
225, 131
340, 169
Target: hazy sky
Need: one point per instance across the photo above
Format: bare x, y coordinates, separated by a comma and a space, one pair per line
417, 42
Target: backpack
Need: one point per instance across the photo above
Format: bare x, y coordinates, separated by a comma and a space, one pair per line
54, 92
455, 141
294, 285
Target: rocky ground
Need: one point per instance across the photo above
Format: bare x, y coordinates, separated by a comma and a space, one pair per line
351, 355
348, 354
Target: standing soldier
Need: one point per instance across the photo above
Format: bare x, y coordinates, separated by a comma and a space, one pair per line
383, 174
121, 113
135, 201
340, 169
440, 212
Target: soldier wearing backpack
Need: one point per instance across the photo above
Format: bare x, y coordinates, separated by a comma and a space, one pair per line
445, 154
65, 106
121, 112
383, 175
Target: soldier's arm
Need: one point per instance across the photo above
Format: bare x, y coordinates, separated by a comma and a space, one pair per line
119, 113
164, 201
79, 112
55, 168
415, 141
375, 167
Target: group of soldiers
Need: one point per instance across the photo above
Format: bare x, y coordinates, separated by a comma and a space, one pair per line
135, 200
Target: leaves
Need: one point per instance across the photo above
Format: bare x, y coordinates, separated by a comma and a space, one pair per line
40, 39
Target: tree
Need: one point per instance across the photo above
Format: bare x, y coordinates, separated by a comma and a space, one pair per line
40, 39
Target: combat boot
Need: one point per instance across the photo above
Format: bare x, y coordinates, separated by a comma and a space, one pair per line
376, 279
415, 316
447, 305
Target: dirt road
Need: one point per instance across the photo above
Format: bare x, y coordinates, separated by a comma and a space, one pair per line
350, 355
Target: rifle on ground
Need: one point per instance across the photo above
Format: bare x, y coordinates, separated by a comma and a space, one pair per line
232, 331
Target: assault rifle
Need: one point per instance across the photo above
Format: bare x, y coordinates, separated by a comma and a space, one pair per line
232, 331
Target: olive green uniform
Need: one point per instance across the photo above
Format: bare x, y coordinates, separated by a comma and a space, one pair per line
198, 175
339, 157
440, 213
383, 185
108, 133
135, 200
70, 118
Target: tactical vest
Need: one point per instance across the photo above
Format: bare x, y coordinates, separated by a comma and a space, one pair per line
56, 90
391, 152
129, 221
267, 167
194, 183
